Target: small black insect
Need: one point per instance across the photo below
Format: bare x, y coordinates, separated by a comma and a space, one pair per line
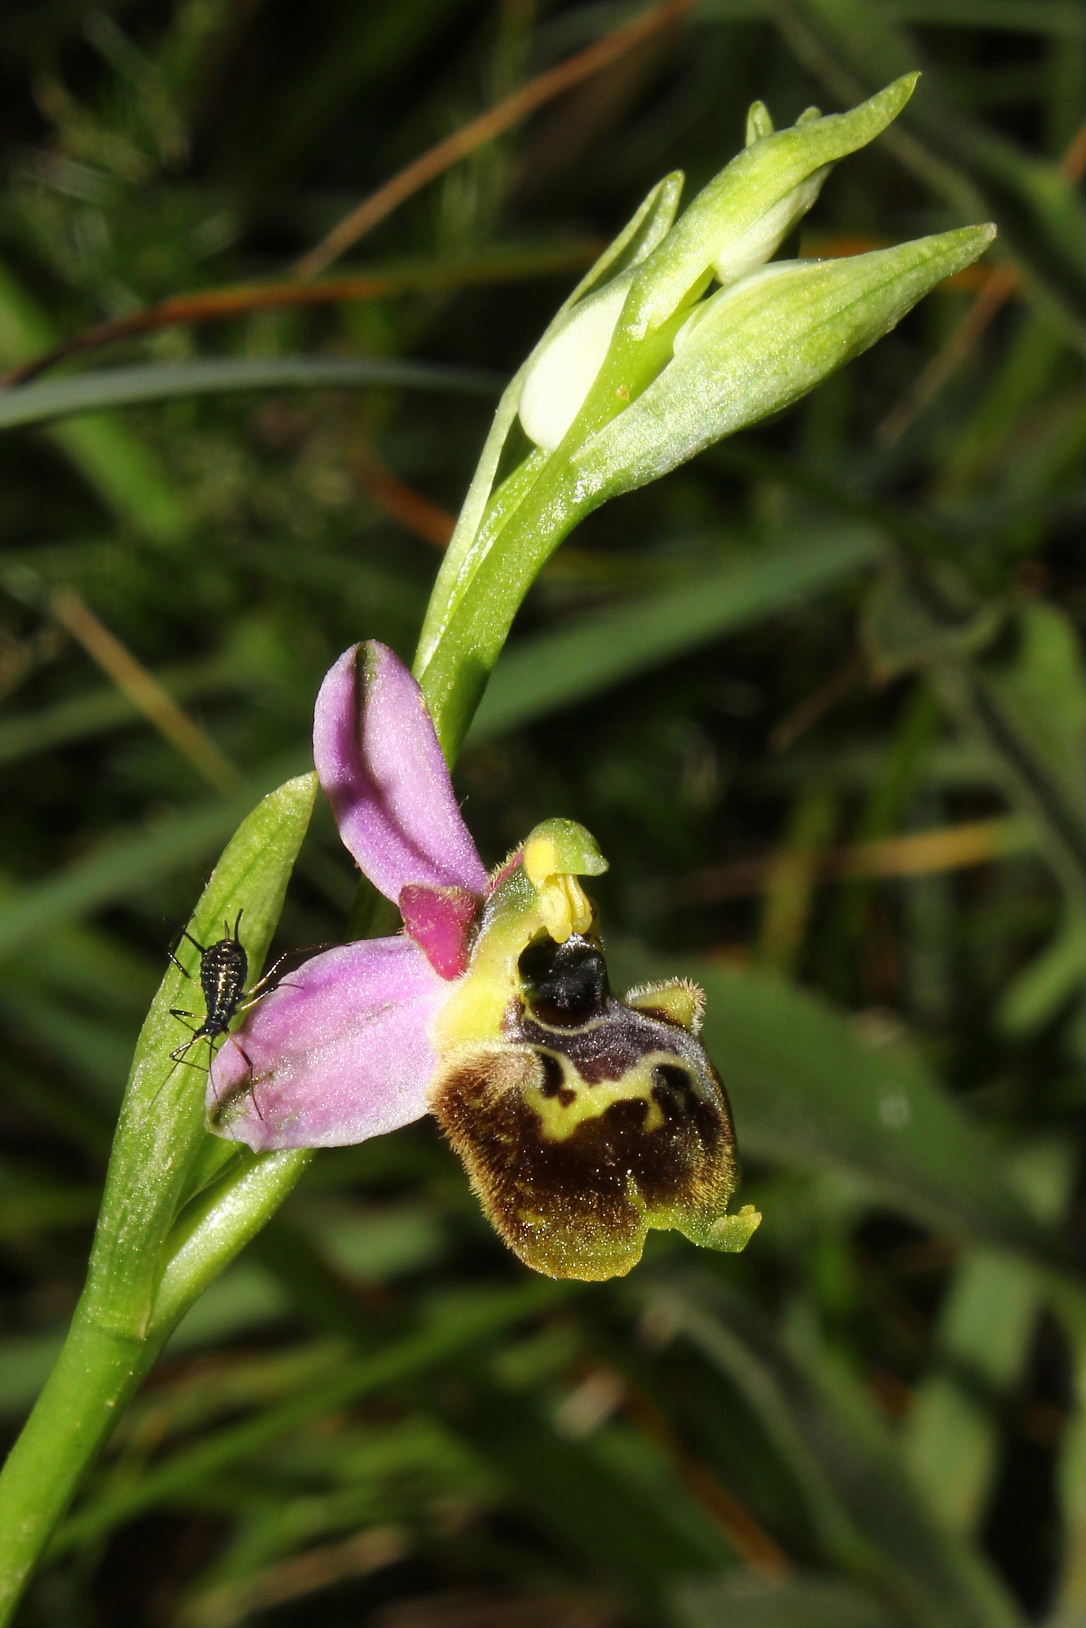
224, 968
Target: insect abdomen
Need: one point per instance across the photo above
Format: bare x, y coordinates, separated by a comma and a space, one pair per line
224, 969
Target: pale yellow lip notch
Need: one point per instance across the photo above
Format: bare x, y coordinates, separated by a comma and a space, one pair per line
563, 903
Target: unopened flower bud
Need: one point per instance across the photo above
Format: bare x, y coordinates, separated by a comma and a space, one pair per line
755, 348
729, 231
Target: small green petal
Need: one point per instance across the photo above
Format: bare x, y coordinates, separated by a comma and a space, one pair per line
759, 123
678, 1000
732, 1233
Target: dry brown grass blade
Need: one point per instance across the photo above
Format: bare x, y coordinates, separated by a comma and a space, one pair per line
478, 131
144, 691
219, 304
744, 1532
211, 305
915, 853
400, 501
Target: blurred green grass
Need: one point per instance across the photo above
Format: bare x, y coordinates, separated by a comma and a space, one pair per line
757, 684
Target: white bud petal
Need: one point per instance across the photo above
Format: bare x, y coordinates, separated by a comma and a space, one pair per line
563, 373
752, 248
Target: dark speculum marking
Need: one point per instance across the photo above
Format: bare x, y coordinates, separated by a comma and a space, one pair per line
579, 1136
553, 1081
673, 1083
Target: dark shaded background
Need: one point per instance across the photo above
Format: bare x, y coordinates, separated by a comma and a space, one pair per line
818, 695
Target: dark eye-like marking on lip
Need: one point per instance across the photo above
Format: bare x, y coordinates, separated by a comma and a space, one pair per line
565, 985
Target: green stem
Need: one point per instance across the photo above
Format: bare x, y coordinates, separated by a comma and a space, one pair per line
486, 602
126, 1313
171, 1219
95, 1376
99, 1370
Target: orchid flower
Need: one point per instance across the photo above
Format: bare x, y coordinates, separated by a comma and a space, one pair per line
583, 1121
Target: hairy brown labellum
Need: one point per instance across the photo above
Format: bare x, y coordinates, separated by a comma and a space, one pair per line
591, 1120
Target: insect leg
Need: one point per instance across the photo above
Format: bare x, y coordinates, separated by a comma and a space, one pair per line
259, 986
178, 1057
179, 1053
252, 1082
238, 1089
259, 990
258, 994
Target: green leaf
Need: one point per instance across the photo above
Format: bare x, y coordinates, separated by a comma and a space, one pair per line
1024, 697
444, 1333
871, 1517
91, 712
903, 634
119, 868
114, 462
1040, 690
620, 1511
985, 1336
787, 1602
1052, 979
161, 1126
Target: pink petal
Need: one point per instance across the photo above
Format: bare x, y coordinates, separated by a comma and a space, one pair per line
440, 921
386, 778
337, 1053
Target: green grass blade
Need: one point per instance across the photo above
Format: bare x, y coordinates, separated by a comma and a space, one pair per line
109, 388
812, 1088
828, 1429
